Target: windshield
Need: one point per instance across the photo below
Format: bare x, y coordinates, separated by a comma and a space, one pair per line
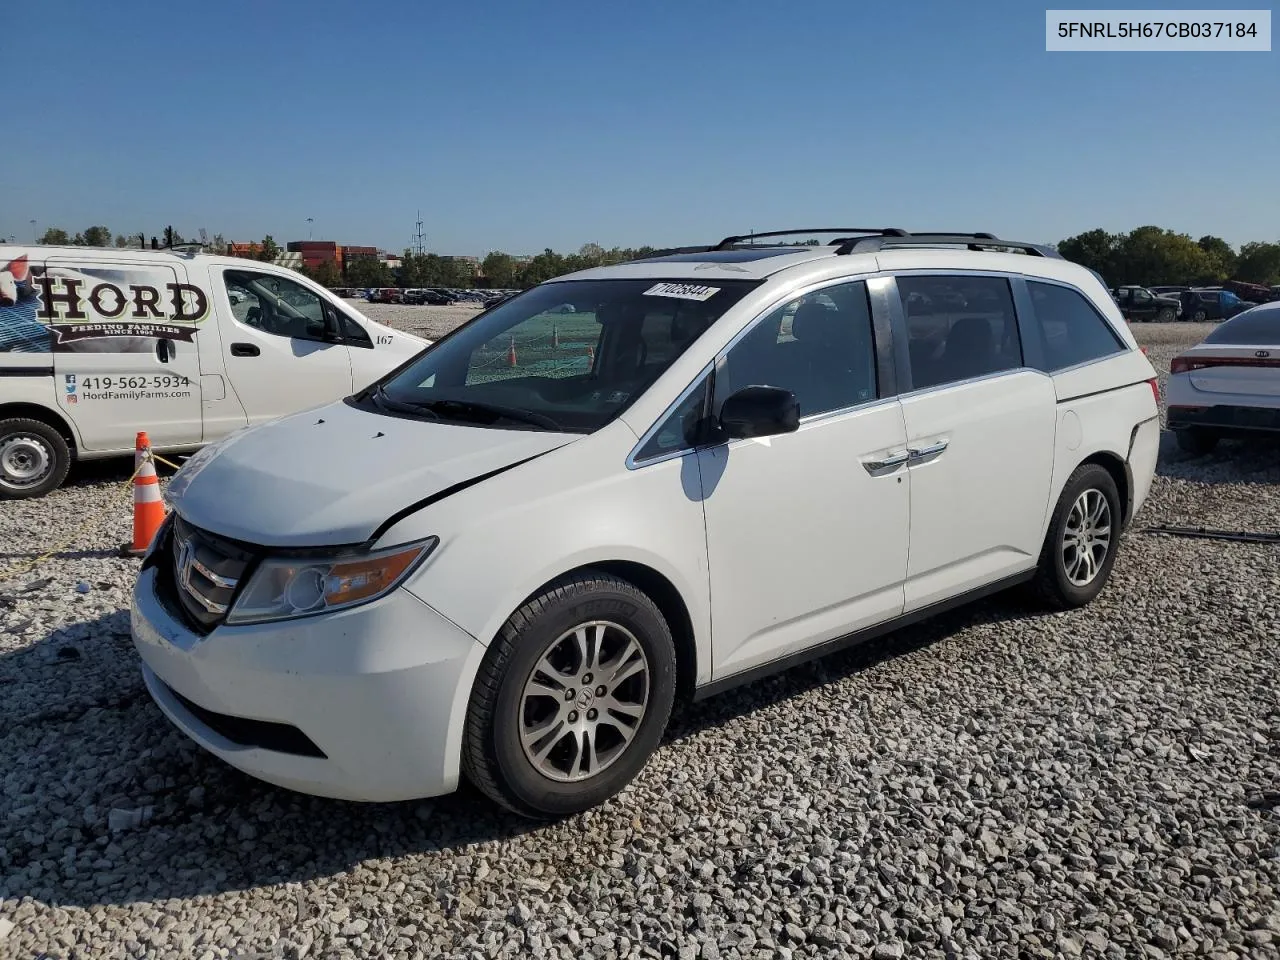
566, 356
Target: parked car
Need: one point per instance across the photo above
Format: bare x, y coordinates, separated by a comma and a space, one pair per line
1211, 303
97, 345
1228, 385
1140, 304
506, 559
386, 295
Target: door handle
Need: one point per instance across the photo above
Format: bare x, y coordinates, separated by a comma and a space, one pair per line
888, 463
923, 453
245, 350
164, 349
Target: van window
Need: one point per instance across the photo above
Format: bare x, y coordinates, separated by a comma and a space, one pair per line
1074, 332
275, 305
959, 327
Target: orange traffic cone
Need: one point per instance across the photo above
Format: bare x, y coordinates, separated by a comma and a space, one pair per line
511, 353
148, 507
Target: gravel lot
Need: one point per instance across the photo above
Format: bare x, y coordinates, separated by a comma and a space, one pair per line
999, 783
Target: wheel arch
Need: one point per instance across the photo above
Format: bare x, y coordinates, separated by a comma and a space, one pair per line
1120, 473
658, 588
36, 411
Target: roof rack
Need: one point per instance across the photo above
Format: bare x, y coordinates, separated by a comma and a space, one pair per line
974, 241
729, 242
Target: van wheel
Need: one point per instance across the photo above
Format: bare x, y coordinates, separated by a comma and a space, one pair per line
1084, 535
571, 699
34, 459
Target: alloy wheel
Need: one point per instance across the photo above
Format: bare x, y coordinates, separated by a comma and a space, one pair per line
1086, 539
584, 701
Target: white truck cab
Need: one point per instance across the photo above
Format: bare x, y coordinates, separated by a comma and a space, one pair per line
98, 344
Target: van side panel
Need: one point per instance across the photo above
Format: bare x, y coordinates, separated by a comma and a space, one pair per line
124, 349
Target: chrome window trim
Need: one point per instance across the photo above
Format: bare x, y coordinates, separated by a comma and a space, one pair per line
632, 463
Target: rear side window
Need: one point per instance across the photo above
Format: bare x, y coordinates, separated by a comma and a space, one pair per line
959, 327
1256, 326
1074, 332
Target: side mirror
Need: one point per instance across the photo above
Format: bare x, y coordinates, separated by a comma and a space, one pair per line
760, 412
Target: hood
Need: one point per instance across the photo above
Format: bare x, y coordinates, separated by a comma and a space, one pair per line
331, 476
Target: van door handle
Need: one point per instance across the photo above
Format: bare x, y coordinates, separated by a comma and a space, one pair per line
245, 350
923, 453
888, 463
164, 349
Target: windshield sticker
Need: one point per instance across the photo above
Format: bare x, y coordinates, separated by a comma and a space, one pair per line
682, 291
94, 309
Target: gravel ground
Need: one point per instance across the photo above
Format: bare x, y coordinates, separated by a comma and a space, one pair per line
998, 783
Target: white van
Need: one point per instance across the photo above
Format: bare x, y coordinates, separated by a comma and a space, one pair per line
98, 344
717, 465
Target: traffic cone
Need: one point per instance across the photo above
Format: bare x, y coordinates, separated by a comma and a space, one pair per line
148, 506
511, 353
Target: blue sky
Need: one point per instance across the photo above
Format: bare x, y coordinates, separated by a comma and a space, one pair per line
517, 126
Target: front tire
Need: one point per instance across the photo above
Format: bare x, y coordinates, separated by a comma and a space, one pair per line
1166, 315
34, 459
571, 699
1083, 539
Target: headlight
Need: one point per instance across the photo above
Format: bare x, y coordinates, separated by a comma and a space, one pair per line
287, 587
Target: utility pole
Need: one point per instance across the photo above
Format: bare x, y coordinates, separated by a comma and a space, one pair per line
34, 238
310, 220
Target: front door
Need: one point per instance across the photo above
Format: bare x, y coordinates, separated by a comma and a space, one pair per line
806, 535
981, 428
126, 357
277, 345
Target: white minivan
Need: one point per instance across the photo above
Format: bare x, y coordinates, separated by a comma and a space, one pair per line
97, 344
553, 523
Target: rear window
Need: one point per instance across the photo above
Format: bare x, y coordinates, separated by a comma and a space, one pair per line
1074, 332
1257, 325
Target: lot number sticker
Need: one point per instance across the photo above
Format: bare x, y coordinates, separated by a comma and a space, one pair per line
682, 291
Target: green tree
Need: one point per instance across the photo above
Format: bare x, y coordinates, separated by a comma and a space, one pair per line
1259, 263
1221, 258
78, 240
55, 236
545, 266
326, 274
1095, 249
368, 272
499, 269
268, 250
122, 241
97, 237
218, 245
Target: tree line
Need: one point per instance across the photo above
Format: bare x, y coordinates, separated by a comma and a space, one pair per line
1146, 255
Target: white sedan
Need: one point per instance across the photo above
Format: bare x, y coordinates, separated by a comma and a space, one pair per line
1228, 385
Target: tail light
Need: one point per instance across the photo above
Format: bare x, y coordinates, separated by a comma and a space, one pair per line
1192, 364
1155, 388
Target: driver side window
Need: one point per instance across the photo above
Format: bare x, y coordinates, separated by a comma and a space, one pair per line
275, 305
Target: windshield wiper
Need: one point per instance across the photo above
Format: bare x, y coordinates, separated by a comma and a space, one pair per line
385, 402
464, 407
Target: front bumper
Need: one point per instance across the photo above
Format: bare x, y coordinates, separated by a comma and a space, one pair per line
362, 704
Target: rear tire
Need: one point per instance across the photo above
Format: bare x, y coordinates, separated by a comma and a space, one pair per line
34, 459
1166, 315
1196, 441
538, 720
1084, 537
